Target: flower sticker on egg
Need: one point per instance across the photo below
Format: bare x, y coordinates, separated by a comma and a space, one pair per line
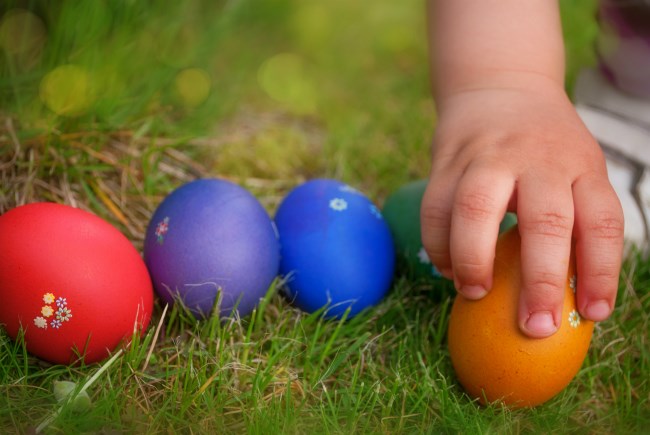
275, 230
574, 318
161, 229
62, 314
423, 256
375, 211
40, 322
573, 283
424, 259
338, 204
47, 311
349, 189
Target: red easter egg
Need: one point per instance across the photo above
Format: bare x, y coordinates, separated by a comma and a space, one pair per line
74, 285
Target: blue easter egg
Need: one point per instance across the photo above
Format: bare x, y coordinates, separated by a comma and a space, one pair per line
207, 238
336, 249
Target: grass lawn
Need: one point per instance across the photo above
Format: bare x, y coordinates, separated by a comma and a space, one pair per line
109, 105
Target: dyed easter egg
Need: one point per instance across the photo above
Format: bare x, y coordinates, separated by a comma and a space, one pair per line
402, 213
493, 359
71, 281
508, 221
337, 251
212, 246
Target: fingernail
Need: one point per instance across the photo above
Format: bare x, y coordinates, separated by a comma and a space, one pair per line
597, 310
473, 291
540, 324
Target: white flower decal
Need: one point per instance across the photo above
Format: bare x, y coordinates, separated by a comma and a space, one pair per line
375, 211
574, 318
161, 229
63, 314
40, 322
423, 256
573, 283
349, 189
56, 324
338, 204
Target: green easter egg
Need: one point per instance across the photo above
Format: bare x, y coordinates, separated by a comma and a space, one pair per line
509, 220
402, 213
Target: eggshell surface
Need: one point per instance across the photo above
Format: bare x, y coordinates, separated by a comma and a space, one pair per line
75, 285
402, 213
493, 360
212, 239
337, 250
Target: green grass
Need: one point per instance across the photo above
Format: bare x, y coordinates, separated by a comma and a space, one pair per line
350, 100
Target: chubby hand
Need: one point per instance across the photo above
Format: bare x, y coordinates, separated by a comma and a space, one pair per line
523, 149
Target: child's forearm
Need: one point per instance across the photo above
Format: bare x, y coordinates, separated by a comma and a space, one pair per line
494, 43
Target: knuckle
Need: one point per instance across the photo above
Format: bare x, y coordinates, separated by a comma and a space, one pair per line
549, 224
475, 206
467, 267
603, 278
607, 226
434, 216
545, 286
606, 276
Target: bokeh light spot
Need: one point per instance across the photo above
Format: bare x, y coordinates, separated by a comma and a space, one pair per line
67, 90
284, 78
22, 36
193, 86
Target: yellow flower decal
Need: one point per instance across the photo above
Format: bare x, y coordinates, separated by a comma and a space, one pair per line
48, 298
47, 311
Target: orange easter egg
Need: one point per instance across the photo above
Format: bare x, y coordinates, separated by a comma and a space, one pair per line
493, 359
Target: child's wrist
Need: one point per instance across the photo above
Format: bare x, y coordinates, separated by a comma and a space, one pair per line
501, 80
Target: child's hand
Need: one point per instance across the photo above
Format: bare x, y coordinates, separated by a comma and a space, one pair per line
523, 149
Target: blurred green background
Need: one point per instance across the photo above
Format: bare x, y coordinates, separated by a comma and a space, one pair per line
287, 88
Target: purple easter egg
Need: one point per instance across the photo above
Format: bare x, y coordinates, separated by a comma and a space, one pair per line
207, 238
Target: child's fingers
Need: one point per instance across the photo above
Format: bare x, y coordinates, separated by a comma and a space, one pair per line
599, 247
435, 220
545, 214
479, 205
